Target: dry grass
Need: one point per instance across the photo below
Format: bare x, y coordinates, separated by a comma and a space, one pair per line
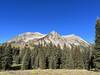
50, 72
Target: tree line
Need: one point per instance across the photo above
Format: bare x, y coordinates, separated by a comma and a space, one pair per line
44, 57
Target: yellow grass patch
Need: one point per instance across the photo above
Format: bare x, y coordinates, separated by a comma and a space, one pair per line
50, 72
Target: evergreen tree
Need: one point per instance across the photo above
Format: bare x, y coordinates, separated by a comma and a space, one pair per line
1, 53
77, 57
67, 61
26, 61
41, 59
16, 53
34, 54
58, 57
97, 43
7, 59
85, 53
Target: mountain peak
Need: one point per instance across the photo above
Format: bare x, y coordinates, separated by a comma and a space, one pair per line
30, 33
27, 36
74, 38
54, 34
25, 33
53, 37
37, 33
53, 31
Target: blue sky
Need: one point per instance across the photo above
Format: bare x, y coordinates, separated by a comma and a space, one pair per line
64, 16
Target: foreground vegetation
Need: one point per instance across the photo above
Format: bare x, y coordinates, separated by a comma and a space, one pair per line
50, 72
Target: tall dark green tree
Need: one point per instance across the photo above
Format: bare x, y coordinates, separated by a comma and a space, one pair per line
7, 59
26, 61
67, 61
34, 56
16, 53
77, 57
97, 43
41, 56
1, 53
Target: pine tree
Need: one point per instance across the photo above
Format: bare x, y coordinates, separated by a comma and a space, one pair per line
16, 53
41, 56
58, 56
97, 43
26, 61
67, 61
77, 57
41, 61
7, 59
52, 59
34, 54
1, 53
86, 55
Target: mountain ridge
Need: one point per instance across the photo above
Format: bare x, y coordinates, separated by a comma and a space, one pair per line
53, 36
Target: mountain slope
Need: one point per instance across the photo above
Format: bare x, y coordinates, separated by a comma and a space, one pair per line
25, 37
54, 37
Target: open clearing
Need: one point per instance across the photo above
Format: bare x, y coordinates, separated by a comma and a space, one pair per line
50, 72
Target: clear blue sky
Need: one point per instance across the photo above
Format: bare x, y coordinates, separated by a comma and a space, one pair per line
64, 16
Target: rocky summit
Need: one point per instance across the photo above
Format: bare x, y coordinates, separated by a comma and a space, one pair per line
52, 37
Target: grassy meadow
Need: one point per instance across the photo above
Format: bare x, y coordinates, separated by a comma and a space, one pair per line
50, 72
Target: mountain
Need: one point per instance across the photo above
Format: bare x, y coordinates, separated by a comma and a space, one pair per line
54, 37
27, 36
23, 38
49, 51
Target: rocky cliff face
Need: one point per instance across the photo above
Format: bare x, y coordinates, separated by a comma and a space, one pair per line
54, 37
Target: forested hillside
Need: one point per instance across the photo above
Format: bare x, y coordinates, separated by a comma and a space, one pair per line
44, 57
